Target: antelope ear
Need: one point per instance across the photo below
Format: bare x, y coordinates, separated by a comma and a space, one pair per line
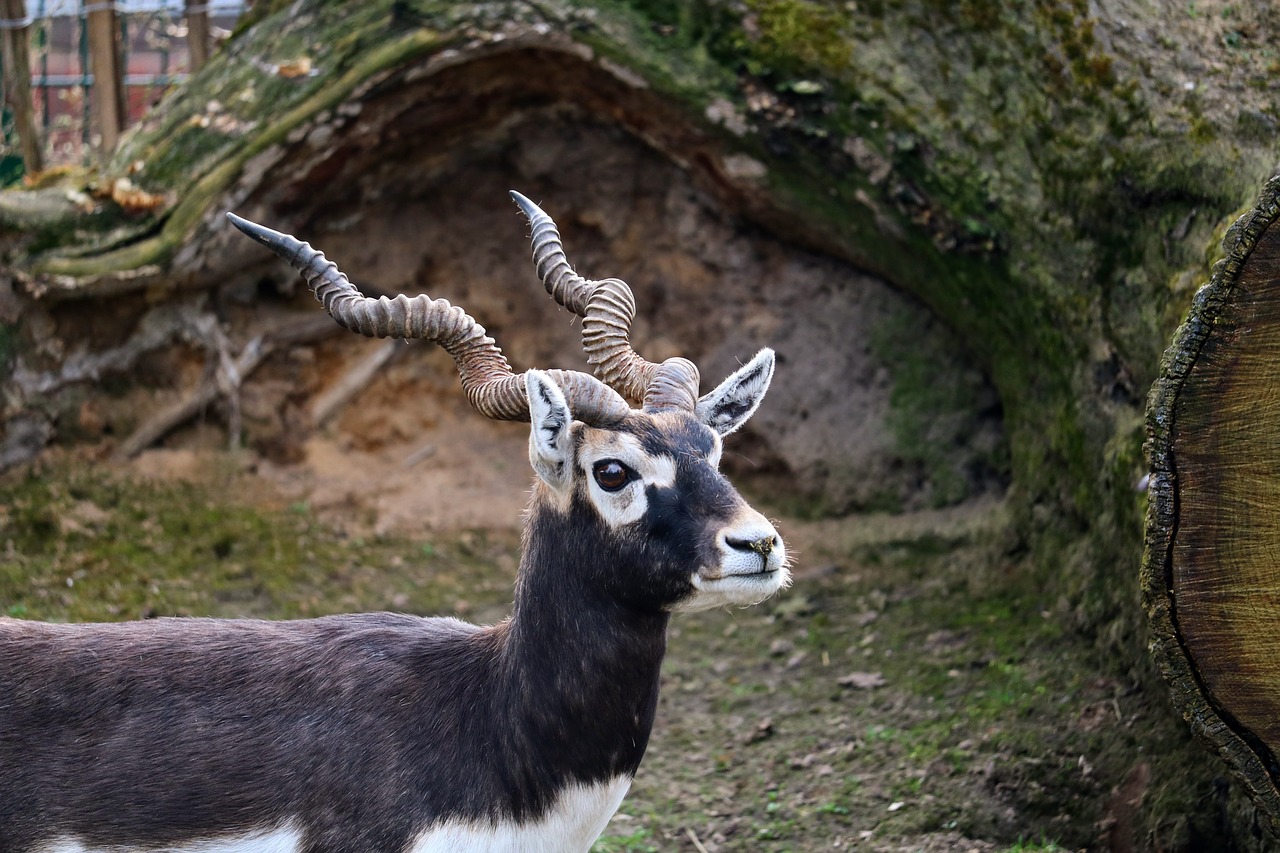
736, 399
550, 449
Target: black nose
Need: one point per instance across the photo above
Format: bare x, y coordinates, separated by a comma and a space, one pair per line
762, 546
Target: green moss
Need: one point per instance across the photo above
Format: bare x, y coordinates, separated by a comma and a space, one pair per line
936, 410
672, 51
1203, 130
796, 36
188, 150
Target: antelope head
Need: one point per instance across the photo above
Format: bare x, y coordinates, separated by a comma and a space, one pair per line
628, 487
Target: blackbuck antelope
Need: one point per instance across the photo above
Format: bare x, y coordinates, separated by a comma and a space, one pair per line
386, 732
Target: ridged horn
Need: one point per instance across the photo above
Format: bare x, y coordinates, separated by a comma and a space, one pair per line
486, 375
607, 309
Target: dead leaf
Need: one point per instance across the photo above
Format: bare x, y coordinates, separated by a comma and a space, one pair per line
781, 647
863, 680
290, 69
795, 660
133, 199
762, 731
83, 517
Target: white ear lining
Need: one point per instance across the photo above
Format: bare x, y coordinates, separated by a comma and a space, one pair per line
550, 450
736, 399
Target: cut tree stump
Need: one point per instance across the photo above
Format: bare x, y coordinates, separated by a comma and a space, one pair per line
1211, 575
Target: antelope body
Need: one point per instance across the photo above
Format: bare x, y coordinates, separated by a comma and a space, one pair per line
387, 732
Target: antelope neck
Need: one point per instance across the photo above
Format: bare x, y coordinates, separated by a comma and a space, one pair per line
582, 672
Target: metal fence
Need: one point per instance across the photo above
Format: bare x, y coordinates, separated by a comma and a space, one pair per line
154, 55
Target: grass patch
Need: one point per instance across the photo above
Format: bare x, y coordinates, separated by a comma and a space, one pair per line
83, 545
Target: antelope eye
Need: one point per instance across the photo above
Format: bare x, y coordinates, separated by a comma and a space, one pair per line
612, 475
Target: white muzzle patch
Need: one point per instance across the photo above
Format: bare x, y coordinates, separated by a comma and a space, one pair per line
752, 567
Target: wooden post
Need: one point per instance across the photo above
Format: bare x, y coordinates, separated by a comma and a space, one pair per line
197, 13
108, 81
17, 82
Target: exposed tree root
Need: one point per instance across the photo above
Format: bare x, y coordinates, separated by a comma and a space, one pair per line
224, 381
355, 380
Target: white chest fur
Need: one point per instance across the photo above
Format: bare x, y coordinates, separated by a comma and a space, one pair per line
572, 824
